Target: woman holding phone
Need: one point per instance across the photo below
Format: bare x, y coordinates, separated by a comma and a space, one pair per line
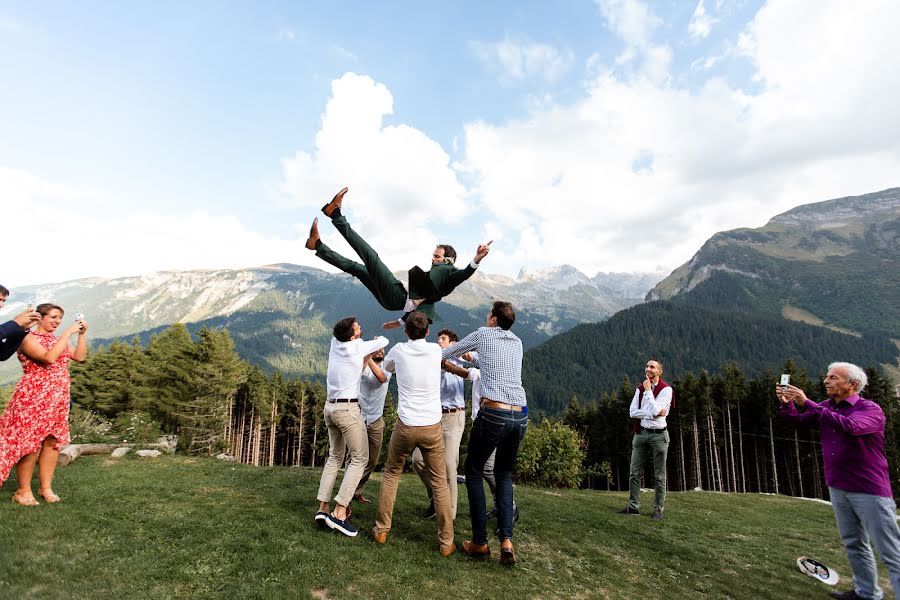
35, 426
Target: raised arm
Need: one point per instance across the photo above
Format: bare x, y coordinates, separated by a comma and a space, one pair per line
376, 370
33, 349
468, 343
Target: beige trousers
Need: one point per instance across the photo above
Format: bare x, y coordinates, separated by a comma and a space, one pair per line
453, 426
346, 432
375, 433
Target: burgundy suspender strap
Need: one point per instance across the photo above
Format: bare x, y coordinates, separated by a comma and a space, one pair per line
636, 423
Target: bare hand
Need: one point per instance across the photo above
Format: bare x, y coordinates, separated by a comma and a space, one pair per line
482, 251
796, 394
647, 385
663, 412
391, 325
780, 393
28, 318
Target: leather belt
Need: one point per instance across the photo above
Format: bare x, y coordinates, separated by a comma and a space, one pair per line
452, 410
333, 400
648, 430
488, 403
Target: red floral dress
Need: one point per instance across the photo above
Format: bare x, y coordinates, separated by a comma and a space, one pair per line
39, 408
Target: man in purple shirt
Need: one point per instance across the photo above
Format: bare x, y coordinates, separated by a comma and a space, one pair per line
856, 472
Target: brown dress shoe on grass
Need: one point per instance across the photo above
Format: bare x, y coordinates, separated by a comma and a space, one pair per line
448, 550
335, 203
507, 556
380, 536
476, 550
313, 235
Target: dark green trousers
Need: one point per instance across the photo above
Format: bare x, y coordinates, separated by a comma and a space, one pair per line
642, 444
372, 273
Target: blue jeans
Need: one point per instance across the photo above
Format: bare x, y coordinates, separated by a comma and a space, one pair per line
859, 517
502, 430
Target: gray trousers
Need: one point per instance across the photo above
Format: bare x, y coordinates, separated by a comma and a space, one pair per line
642, 444
861, 517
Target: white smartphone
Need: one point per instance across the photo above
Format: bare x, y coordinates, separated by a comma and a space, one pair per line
80, 317
785, 380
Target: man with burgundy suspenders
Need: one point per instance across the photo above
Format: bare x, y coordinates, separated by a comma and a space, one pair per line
651, 403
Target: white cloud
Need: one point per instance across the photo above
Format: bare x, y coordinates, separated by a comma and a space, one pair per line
57, 239
401, 181
701, 23
634, 23
522, 59
631, 20
570, 183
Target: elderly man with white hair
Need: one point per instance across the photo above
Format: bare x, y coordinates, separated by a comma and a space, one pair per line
856, 472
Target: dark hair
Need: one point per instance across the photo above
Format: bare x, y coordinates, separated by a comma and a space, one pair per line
45, 308
343, 329
504, 313
416, 325
659, 362
450, 335
3, 291
449, 252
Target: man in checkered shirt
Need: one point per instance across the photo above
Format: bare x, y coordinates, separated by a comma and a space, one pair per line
500, 425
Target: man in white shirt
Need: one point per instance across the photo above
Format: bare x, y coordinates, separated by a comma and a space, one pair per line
453, 424
417, 364
373, 387
650, 404
346, 430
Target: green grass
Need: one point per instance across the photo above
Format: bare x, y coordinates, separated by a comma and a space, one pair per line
177, 527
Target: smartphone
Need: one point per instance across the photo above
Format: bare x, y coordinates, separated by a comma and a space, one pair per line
80, 317
785, 380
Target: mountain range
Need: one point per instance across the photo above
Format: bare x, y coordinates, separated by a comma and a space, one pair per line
816, 284
280, 316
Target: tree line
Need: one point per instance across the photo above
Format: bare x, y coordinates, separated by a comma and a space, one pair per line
726, 434
725, 430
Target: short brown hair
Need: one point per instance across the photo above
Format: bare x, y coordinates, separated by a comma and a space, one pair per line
416, 325
451, 335
45, 308
343, 329
504, 313
659, 362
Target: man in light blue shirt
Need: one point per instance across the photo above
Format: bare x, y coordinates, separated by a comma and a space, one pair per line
373, 387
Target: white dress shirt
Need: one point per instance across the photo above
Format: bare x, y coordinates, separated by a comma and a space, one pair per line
345, 365
417, 364
650, 407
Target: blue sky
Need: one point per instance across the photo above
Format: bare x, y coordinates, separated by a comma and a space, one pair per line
612, 135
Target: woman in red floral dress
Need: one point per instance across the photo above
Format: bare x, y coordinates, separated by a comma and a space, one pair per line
35, 424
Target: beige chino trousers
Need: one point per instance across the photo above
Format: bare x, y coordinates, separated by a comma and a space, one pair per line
453, 426
346, 432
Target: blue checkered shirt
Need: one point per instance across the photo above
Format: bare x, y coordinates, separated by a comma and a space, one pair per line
500, 361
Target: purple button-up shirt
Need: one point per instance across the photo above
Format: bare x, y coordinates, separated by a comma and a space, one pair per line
852, 434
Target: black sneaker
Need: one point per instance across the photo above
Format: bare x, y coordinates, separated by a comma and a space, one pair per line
657, 515
343, 526
429, 512
515, 513
322, 519
629, 511
492, 513
850, 595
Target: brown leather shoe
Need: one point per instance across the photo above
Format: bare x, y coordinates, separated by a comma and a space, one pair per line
361, 499
313, 235
448, 550
474, 550
380, 536
507, 556
335, 203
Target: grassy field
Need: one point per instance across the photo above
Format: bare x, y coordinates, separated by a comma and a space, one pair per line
177, 527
